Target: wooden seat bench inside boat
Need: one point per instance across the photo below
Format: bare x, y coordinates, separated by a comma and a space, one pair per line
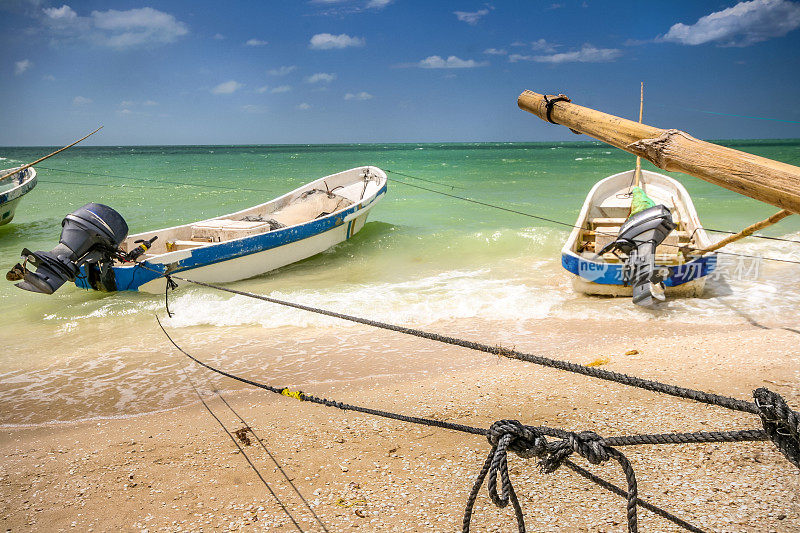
601, 231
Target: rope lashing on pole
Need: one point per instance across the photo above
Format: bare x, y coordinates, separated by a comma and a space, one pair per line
530, 441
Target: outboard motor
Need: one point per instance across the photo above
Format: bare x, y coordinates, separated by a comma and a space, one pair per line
638, 238
91, 234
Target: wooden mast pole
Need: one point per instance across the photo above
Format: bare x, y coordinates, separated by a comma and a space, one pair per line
760, 178
20, 169
638, 172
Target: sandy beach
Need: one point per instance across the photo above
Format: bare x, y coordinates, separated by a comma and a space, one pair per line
178, 470
490, 172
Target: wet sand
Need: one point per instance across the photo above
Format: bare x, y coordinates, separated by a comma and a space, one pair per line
177, 470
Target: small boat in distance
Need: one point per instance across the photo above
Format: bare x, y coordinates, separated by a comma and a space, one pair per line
13, 187
603, 221
96, 253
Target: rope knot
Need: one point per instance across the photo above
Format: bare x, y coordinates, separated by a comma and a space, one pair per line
525, 441
781, 423
587, 444
505, 436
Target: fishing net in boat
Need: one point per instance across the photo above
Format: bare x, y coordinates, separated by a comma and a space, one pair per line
640, 201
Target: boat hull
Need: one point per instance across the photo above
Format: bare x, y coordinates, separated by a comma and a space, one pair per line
241, 258
258, 263
605, 279
7, 211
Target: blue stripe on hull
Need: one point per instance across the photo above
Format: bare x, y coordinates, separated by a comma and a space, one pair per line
611, 274
131, 277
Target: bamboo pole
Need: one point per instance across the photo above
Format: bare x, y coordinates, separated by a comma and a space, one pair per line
746, 232
760, 178
20, 169
638, 172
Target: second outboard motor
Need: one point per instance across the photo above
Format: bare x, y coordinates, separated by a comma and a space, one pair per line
91, 234
638, 238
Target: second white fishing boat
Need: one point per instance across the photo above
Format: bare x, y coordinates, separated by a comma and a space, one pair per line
659, 244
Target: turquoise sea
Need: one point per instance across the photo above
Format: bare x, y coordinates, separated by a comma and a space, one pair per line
423, 259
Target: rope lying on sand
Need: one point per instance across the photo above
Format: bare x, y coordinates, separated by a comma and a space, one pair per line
781, 424
497, 458
595, 372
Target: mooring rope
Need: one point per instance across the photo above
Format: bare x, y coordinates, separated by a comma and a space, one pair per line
274, 460
573, 226
530, 441
244, 454
552, 454
403, 174
608, 375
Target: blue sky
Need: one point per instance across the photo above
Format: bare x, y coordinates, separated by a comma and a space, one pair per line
333, 71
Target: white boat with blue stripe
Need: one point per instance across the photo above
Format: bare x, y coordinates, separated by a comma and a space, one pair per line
606, 211
14, 185
293, 227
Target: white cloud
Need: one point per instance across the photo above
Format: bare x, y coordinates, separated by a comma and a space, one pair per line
744, 24
281, 89
126, 111
471, 18
327, 41
63, 13
256, 42
587, 54
227, 87
21, 66
543, 46
127, 103
340, 8
321, 77
149, 103
218, 37
450, 62
49, 77
303, 106
495, 52
363, 95
254, 109
115, 29
262, 89
81, 100
282, 71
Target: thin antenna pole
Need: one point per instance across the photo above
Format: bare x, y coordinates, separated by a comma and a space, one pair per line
638, 171
50, 155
